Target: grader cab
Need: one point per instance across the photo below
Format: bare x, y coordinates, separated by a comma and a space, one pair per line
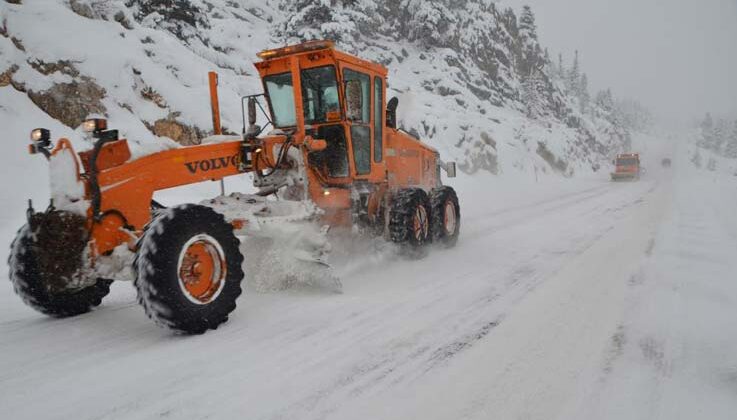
328, 156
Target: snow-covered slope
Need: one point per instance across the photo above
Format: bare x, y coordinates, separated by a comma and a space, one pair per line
457, 68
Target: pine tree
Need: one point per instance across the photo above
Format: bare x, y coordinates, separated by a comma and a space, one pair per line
707, 131
730, 149
340, 20
533, 94
696, 159
711, 164
574, 76
561, 67
510, 22
182, 18
531, 56
585, 97
549, 66
429, 21
605, 100
721, 132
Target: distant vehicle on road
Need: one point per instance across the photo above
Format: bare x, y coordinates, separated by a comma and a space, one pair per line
666, 162
627, 167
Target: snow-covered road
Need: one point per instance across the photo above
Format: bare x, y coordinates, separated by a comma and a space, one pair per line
566, 299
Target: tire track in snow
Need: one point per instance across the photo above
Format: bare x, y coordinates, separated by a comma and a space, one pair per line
398, 367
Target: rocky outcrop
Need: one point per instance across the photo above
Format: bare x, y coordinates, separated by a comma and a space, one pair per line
6, 77
71, 103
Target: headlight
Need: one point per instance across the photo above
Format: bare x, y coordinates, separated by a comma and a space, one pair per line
94, 125
40, 135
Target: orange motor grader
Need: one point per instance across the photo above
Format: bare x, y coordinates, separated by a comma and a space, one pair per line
329, 153
627, 167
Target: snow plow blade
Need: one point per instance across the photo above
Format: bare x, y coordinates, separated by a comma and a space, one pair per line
624, 176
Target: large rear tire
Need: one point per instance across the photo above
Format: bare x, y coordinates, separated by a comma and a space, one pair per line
188, 269
446, 216
44, 259
410, 221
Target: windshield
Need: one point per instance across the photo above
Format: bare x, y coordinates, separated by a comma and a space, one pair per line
626, 162
320, 95
279, 87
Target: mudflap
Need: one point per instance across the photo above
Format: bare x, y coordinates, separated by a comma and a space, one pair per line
60, 242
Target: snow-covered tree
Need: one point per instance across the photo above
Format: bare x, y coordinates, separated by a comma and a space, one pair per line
561, 67
635, 115
721, 132
584, 96
573, 79
730, 148
605, 100
707, 131
711, 164
696, 158
533, 94
428, 21
343, 21
180, 17
531, 57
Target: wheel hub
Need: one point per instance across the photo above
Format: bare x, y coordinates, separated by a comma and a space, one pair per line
450, 219
201, 269
420, 223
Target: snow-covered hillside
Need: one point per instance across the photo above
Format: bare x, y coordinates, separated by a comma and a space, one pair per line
471, 76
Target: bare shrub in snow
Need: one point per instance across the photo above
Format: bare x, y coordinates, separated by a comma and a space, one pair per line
696, 159
711, 164
150, 94
556, 163
177, 131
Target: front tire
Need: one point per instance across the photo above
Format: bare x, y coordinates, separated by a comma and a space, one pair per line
188, 269
446, 216
44, 259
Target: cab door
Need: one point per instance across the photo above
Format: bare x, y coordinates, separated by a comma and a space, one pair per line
358, 119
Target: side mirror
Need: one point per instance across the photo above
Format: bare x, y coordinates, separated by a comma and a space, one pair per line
353, 99
450, 169
253, 129
391, 112
251, 111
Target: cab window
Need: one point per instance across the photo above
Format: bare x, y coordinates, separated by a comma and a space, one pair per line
334, 159
349, 75
360, 124
320, 95
280, 89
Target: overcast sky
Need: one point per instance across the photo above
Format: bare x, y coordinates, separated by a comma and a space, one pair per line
679, 57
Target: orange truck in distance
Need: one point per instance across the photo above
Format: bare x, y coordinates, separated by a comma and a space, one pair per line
627, 167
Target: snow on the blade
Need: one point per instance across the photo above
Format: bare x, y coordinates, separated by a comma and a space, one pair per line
67, 190
282, 244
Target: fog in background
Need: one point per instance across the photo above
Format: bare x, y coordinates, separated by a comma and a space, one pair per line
678, 57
